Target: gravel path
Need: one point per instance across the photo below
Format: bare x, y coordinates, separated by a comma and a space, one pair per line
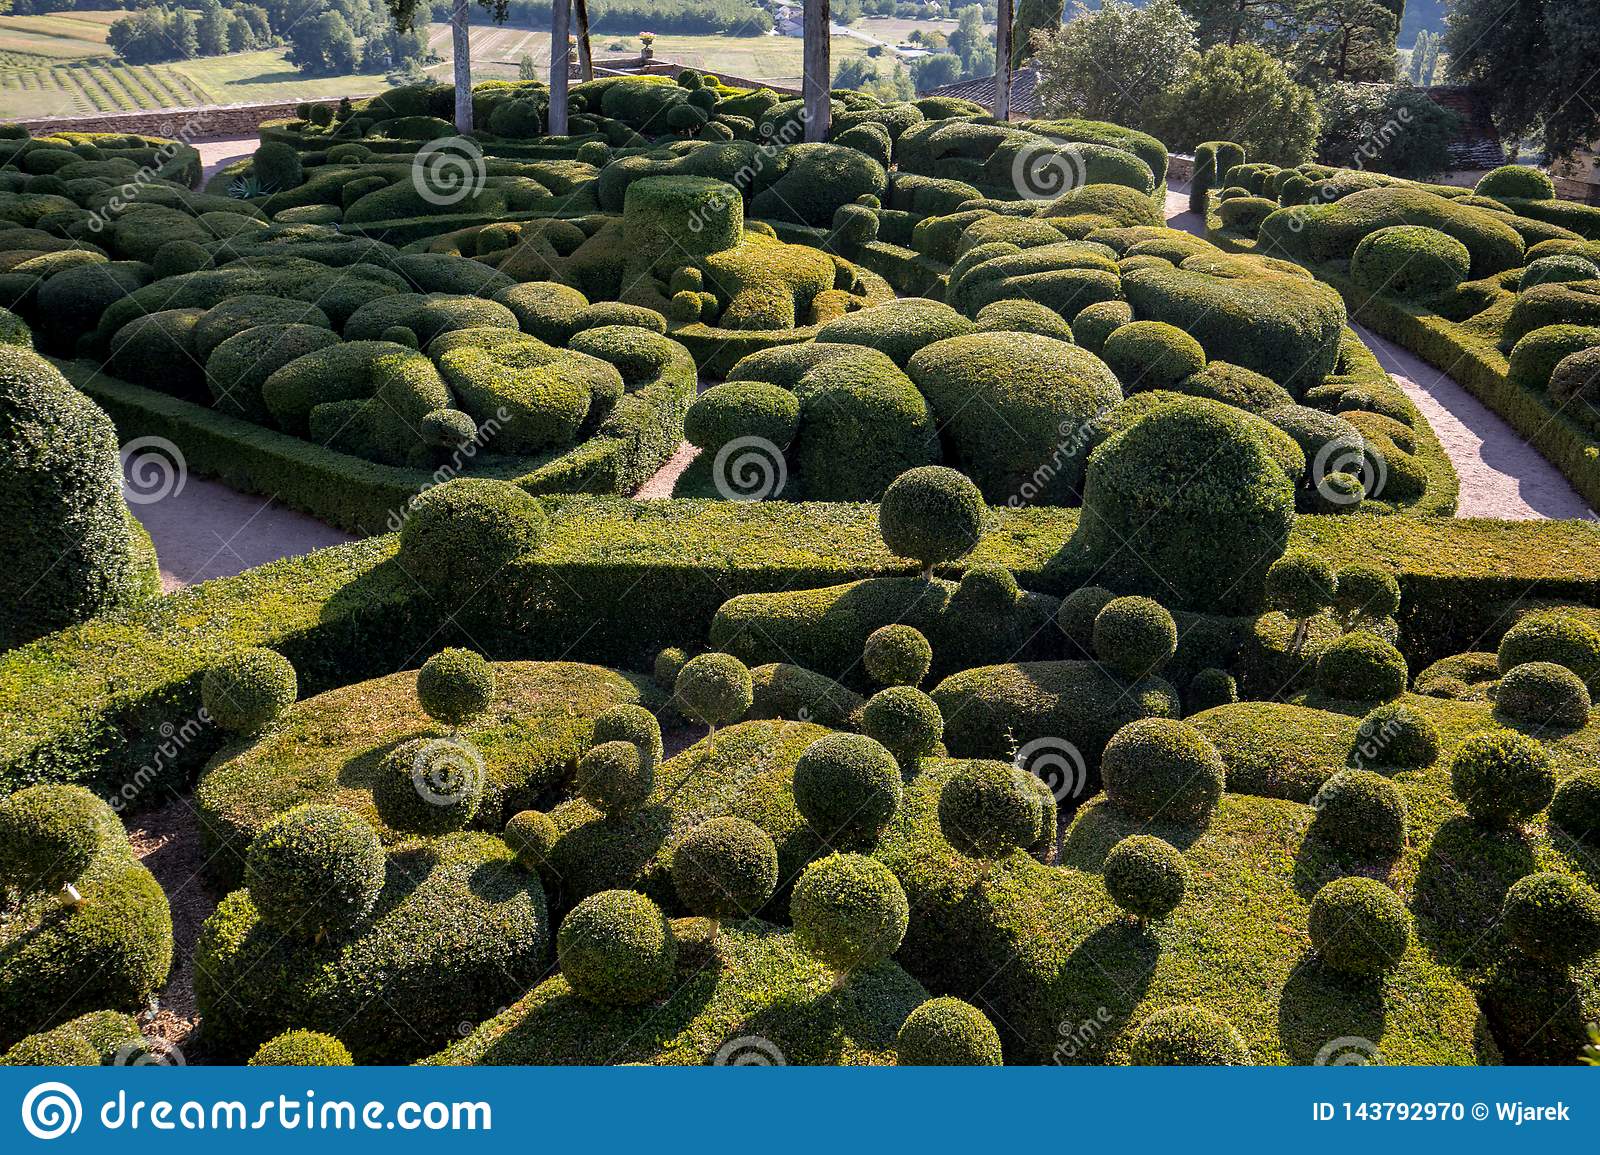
1501, 475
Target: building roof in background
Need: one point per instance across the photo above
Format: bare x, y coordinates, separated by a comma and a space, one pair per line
980, 89
1477, 145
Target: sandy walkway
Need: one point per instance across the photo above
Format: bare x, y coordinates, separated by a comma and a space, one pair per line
216, 153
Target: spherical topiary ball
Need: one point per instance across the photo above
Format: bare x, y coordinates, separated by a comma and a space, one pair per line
1552, 637
947, 1032
1362, 667
1543, 694
714, 688
987, 809
616, 948
247, 692
1554, 918
1151, 355
1502, 777
849, 910
1300, 583
315, 870
932, 514
1077, 614
631, 723
302, 1049
1360, 812
1134, 636
1409, 261
1095, 323
61, 1047
428, 785
1146, 876
905, 721
614, 778
987, 589
49, 834
668, 664
1210, 688
847, 787
1396, 735
897, 655
725, 868
1160, 768
1365, 591
455, 685
1576, 806
1359, 926
1185, 1036
466, 526
531, 834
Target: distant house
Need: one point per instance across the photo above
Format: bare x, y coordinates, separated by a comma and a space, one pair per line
790, 26
980, 89
785, 12
1477, 145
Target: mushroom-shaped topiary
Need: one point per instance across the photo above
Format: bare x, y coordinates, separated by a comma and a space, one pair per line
1160, 768
1300, 584
302, 1049
468, 525
947, 1032
614, 778
616, 949
49, 834
987, 809
1135, 636
725, 868
315, 870
850, 911
932, 514
1576, 806
1543, 694
897, 655
714, 689
1362, 813
1185, 1036
249, 691
847, 787
455, 686
1553, 918
1366, 593
1151, 355
1077, 613
1362, 667
1359, 926
428, 785
1146, 876
1396, 735
1502, 777
531, 834
905, 721
1208, 689
1552, 637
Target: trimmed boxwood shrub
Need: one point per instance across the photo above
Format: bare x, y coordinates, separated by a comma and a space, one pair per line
1536, 356
850, 911
1017, 316
455, 686
897, 328
1576, 377
905, 721
1543, 694
1161, 768
897, 655
742, 409
946, 1032
249, 691
614, 778
1553, 918
847, 787
714, 689
1576, 805
1552, 637
1300, 583
302, 1049
1135, 636
725, 868
1362, 667
1410, 261
1502, 777
1146, 876
1366, 592
1362, 813
1095, 323
1395, 735
932, 514
1186, 1036
1359, 926
988, 809
1209, 688
1517, 181
468, 525
531, 834
1152, 355
1077, 614
1557, 268
62, 1047
49, 834
616, 948
429, 785
315, 870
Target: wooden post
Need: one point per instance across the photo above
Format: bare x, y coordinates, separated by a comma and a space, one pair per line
1002, 60
460, 46
585, 53
560, 10
818, 69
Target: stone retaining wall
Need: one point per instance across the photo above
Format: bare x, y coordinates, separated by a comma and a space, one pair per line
186, 124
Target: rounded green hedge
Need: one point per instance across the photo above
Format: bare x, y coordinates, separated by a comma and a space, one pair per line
468, 526
428, 785
1552, 637
1518, 181
1162, 768
1551, 917
616, 949
1362, 667
614, 778
847, 787
1502, 777
988, 809
725, 868
1557, 268
1543, 694
1135, 636
531, 834
738, 409
1152, 355
946, 1032
455, 685
905, 721
850, 911
1410, 261
1300, 583
49, 834
1395, 735
302, 1049
714, 689
932, 514
1095, 323
1077, 613
1146, 876
1367, 592
1361, 813
1576, 805
1576, 378
249, 691
1187, 1036
1209, 688
1359, 926
897, 655
315, 870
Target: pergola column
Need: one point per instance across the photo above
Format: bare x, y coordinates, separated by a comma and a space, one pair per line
818, 69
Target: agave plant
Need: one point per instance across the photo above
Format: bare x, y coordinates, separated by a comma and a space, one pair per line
249, 186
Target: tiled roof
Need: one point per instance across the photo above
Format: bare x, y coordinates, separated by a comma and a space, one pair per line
1477, 145
980, 89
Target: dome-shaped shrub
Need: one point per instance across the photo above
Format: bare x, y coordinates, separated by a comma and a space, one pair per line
668, 664
1135, 636
714, 689
447, 429
1554, 269
1359, 926
1552, 637
737, 409
1517, 181
1409, 261
1077, 613
616, 949
468, 526
1362, 667
530, 834
302, 1049
630, 723
1502, 777
932, 514
1396, 735
1576, 377
1365, 592
1151, 355
725, 868
849, 911
947, 1032
1361, 813
49, 833
905, 721
61, 1047
1185, 1036
428, 785
1301, 583
897, 655
1552, 917
1543, 694
1146, 876
1095, 323
1208, 689
247, 692
988, 808
1018, 316
847, 787
1162, 769
1576, 806
315, 870
614, 777
455, 685
986, 589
